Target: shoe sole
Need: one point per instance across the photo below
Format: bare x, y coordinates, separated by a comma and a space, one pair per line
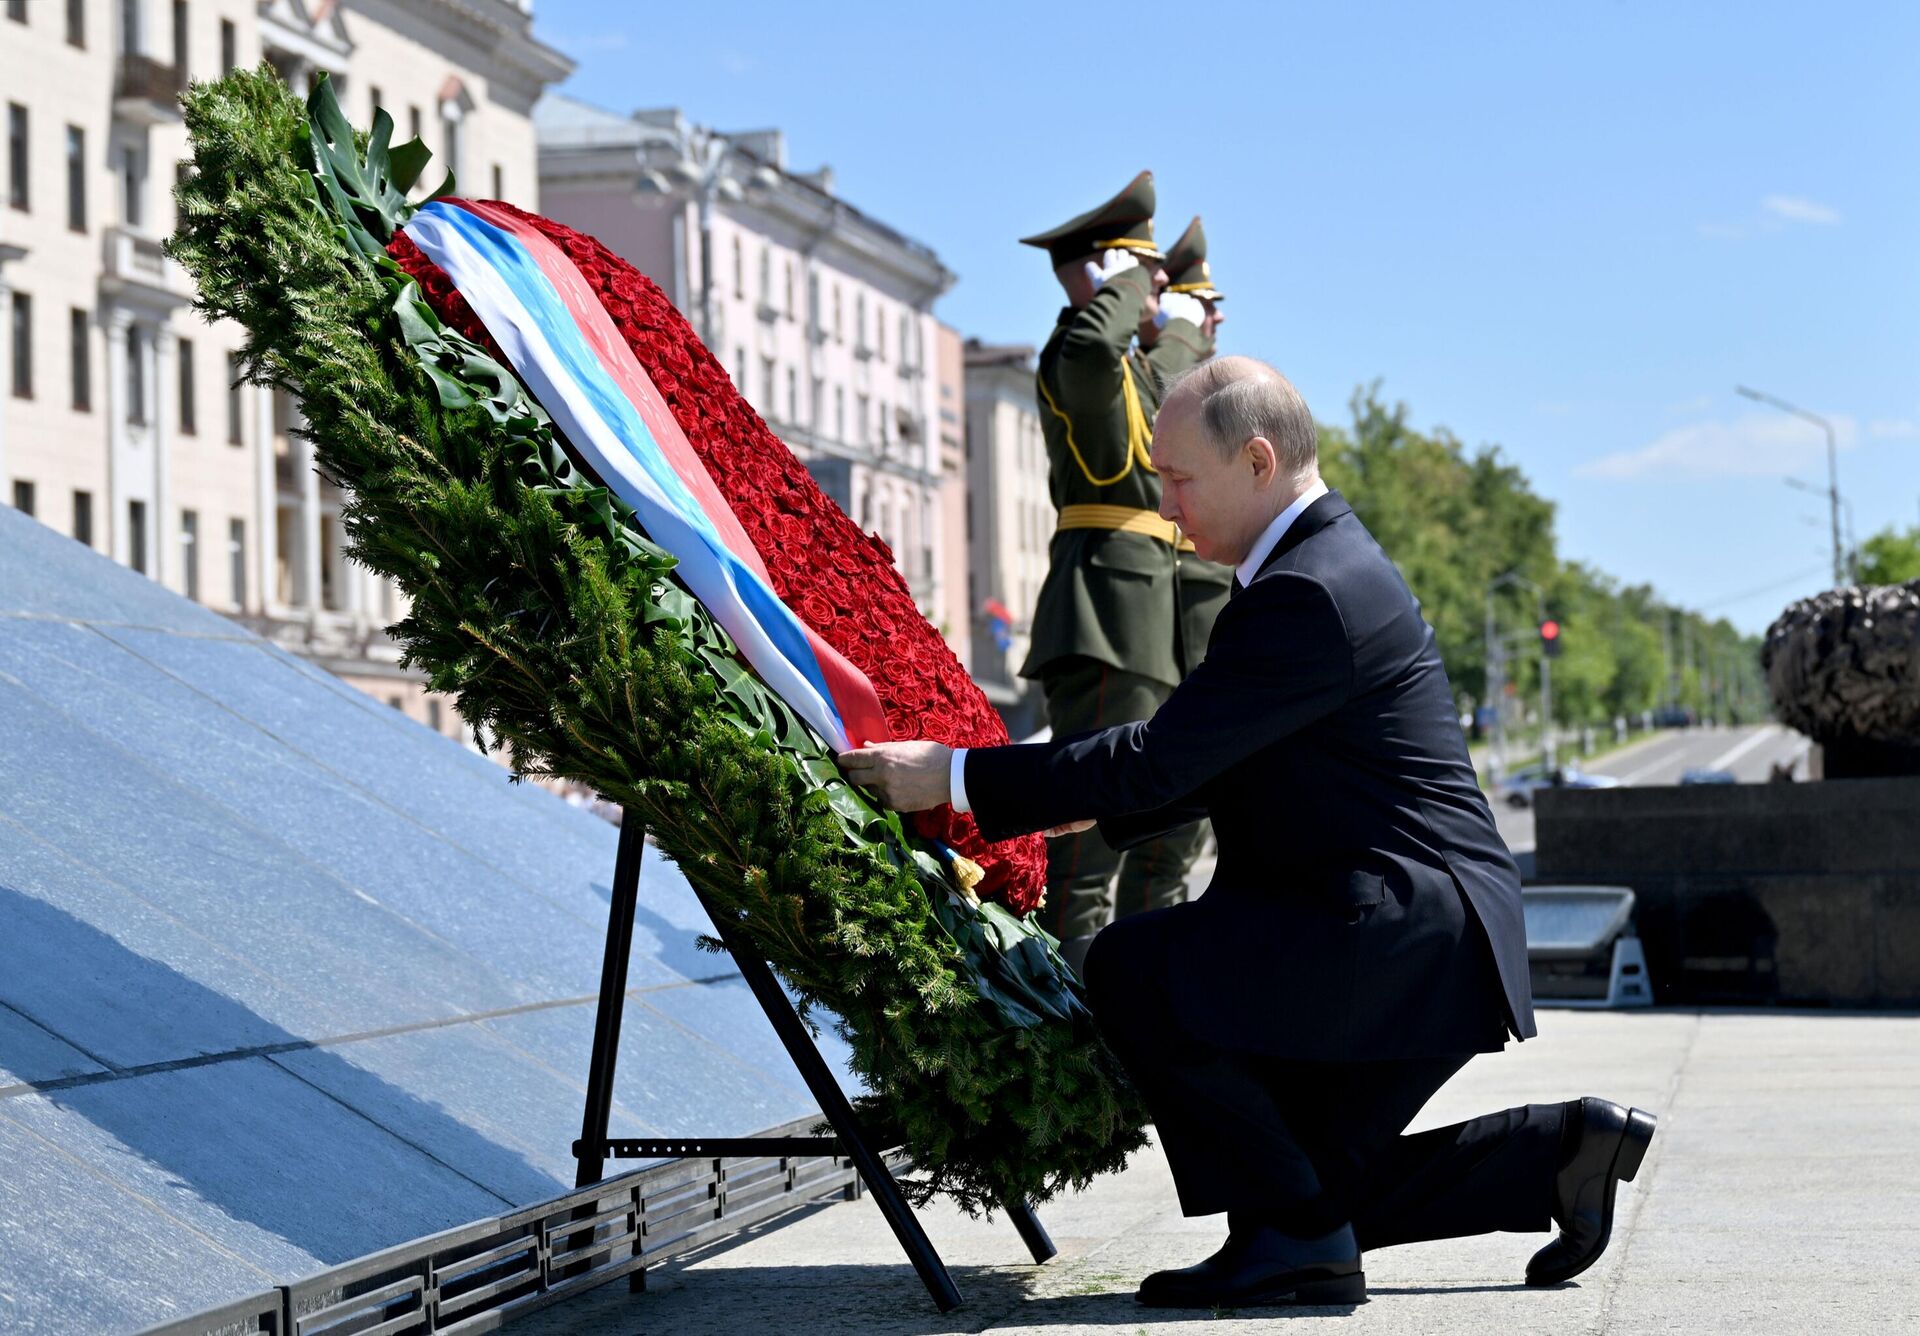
1627, 1158
1332, 1291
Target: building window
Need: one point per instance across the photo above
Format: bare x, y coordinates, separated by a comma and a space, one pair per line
22, 346
76, 179
180, 41
77, 23
17, 156
83, 518
813, 303
817, 406
789, 289
136, 379
739, 269
450, 138
880, 332
237, 562
188, 417
906, 330
17, 10
863, 407
229, 46
413, 121
793, 395
190, 554
80, 359
840, 414
766, 384
233, 399
433, 713
499, 182
23, 496
860, 320
373, 102
133, 186
766, 276
137, 535
839, 335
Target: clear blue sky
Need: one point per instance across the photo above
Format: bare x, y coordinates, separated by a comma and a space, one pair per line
1567, 229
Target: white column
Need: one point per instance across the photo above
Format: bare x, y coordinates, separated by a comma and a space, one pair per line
6, 370
306, 593
118, 321
166, 527
266, 528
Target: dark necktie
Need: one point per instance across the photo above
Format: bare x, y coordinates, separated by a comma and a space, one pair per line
1233, 588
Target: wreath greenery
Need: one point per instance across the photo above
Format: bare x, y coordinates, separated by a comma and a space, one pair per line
562, 632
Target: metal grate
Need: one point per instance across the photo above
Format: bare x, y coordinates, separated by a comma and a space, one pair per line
478, 1276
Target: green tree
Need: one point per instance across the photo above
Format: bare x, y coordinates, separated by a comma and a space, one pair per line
1891, 556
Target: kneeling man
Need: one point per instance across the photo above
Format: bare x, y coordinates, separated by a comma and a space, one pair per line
1362, 937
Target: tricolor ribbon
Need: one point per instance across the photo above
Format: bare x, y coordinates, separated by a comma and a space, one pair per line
563, 345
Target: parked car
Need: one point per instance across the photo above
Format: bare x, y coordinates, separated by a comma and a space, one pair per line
1519, 787
1699, 774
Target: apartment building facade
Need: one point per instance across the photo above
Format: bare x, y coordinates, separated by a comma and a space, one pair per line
120, 424
1009, 519
822, 313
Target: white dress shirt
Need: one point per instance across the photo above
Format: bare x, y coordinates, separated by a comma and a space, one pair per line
1243, 575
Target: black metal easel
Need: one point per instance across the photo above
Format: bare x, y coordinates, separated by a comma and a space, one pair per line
594, 1148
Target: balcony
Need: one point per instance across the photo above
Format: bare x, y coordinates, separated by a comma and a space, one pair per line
138, 270
146, 92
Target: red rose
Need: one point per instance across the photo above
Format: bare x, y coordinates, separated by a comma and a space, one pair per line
818, 559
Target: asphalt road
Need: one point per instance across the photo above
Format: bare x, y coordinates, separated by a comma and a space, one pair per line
1749, 752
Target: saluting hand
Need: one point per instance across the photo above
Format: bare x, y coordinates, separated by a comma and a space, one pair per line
1112, 261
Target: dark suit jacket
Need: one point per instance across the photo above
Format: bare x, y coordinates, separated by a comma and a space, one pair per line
1363, 906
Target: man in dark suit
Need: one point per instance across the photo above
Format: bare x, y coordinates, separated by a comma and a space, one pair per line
1362, 937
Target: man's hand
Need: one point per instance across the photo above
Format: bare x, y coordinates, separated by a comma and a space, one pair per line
1182, 306
906, 776
1071, 828
1112, 261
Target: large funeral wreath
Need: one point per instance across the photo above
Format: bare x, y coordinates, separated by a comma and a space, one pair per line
563, 631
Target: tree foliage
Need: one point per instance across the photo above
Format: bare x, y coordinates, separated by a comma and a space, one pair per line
1455, 521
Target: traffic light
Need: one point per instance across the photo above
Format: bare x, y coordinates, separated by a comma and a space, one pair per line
1550, 639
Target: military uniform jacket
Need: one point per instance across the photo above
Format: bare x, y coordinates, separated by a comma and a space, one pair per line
1110, 594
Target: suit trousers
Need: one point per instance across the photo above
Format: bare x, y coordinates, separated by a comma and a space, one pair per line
1082, 897
1306, 1147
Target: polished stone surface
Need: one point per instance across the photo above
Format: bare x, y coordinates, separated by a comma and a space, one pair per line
286, 978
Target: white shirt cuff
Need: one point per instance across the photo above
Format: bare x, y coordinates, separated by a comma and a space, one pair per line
957, 781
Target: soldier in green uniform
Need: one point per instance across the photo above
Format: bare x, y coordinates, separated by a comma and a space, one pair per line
1156, 873
1202, 584
1106, 644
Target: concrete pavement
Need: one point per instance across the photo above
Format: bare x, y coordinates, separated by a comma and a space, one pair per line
1781, 1195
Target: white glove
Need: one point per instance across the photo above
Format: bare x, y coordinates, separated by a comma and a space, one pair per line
1182, 306
1114, 260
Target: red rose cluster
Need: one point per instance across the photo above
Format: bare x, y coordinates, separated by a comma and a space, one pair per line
840, 581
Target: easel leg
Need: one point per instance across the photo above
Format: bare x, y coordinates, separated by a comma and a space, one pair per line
1032, 1232
591, 1162
833, 1103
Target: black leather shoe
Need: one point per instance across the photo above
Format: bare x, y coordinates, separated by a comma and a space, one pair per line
1262, 1267
1608, 1145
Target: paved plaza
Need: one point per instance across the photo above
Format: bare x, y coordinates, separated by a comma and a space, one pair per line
1782, 1194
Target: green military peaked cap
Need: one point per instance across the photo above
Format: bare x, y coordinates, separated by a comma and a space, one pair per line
1124, 222
1187, 269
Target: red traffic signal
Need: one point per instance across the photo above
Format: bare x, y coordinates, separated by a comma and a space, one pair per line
1550, 639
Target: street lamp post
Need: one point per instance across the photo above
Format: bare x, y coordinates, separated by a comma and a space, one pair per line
1495, 652
1833, 468
701, 168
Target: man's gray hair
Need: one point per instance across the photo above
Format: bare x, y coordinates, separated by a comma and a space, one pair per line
1241, 398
